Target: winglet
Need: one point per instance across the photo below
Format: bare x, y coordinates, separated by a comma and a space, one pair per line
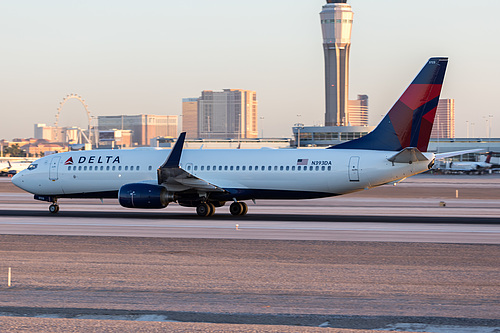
175, 155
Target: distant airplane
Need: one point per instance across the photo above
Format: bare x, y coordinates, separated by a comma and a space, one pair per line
15, 167
466, 167
206, 179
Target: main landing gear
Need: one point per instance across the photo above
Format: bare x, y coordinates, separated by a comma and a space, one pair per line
238, 208
206, 209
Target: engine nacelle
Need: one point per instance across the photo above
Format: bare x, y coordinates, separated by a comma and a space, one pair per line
144, 196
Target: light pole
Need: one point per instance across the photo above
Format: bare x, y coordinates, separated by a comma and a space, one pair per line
299, 127
261, 127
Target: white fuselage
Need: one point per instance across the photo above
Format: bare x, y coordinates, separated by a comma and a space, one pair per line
268, 173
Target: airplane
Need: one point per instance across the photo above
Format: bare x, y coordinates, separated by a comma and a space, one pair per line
11, 168
466, 167
208, 179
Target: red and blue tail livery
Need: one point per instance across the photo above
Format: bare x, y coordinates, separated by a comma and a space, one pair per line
409, 122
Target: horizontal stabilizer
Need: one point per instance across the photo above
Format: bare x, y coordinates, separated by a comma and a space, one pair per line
457, 153
408, 155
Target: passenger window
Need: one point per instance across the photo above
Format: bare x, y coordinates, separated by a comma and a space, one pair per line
225, 168
262, 168
323, 168
293, 167
287, 168
90, 168
85, 168
107, 168
79, 168
114, 167
149, 168
74, 168
237, 168
138, 168
269, 168
311, 168
195, 168
208, 167
131, 168
256, 168
250, 168
214, 168
243, 168
126, 167
202, 168
317, 168
69, 168
102, 167
120, 168
299, 168
231, 168
329, 168
220, 167
189, 167
281, 168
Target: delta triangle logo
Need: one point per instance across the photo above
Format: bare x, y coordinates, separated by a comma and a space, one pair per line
69, 161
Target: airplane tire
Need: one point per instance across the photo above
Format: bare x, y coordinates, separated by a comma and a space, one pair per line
235, 208
54, 208
212, 208
244, 208
238, 208
203, 210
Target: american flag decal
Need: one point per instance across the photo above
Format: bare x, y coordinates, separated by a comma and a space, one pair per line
302, 161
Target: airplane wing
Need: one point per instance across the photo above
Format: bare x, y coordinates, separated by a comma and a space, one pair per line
176, 179
456, 153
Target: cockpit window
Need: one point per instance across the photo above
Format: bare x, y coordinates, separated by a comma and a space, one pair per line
32, 166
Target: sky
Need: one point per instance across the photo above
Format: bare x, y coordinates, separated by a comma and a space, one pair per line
133, 57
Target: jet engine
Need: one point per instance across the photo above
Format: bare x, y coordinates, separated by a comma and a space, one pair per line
144, 196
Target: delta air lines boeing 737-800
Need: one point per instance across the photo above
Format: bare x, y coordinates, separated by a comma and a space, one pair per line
206, 179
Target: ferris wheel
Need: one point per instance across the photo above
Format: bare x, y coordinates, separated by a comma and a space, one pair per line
79, 98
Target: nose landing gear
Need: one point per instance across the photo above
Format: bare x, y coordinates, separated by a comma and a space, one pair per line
54, 208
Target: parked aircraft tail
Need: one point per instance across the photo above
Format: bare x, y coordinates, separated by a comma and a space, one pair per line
409, 122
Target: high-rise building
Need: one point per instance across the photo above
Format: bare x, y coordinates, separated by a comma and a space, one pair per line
336, 24
444, 121
190, 117
144, 127
231, 113
358, 111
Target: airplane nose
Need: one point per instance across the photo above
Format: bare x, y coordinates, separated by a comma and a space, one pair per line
17, 180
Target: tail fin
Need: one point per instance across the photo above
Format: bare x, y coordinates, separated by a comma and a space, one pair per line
488, 157
409, 122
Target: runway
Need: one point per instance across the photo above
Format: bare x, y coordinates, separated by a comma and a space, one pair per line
409, 212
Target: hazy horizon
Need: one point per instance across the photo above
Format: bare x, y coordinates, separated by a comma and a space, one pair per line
131, 58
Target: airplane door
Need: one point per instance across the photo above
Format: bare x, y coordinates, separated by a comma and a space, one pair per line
354, 169
54, 167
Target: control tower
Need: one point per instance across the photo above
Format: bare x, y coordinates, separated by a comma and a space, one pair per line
336, 24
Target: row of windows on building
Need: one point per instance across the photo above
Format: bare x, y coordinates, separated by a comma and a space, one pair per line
107, 168
336, 21
342, 136
261, 168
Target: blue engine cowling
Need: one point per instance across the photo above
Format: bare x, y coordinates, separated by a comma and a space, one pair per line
144, 196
